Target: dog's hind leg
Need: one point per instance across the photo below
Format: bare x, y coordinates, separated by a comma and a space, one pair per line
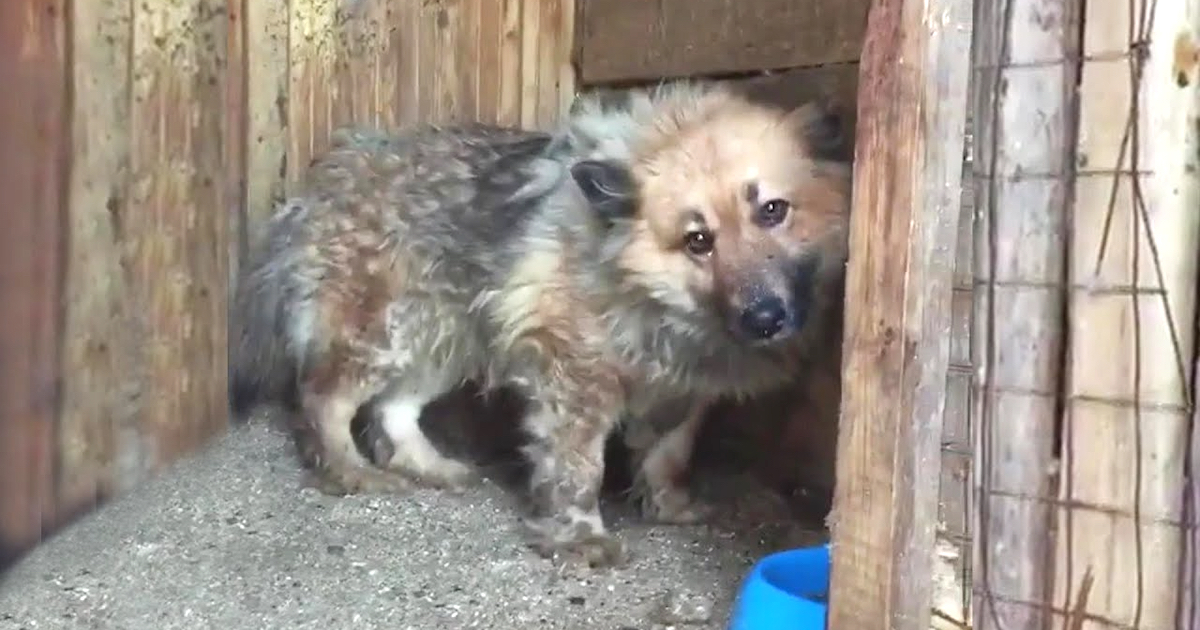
412, 453
327, 445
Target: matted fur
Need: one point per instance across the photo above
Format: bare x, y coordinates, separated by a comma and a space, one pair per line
553, 263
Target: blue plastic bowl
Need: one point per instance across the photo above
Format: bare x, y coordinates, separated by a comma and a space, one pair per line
785, 591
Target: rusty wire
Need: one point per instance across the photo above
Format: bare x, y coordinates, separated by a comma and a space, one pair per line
1072, 609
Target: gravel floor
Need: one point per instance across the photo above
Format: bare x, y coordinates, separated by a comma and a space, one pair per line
230, 540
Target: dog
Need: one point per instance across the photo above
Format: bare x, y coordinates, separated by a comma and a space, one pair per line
665, 247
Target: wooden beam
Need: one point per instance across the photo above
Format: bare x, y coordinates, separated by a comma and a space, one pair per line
33, 165
1190, 610
99, 355
266, 107
176, 234
1132, 301
624, 40
1025, 120
912, 100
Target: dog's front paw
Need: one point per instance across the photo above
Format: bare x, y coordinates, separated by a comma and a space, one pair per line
576, 544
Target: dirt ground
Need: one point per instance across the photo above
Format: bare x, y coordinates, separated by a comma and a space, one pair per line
229, 539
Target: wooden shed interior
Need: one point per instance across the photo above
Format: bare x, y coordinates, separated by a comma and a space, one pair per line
145, 142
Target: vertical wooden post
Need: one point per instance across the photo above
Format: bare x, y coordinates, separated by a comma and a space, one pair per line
99, 353
33, 71
1135, 234
1190, 610
1025, 116
908, 171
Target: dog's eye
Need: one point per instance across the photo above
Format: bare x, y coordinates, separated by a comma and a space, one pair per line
772, 212
699, 242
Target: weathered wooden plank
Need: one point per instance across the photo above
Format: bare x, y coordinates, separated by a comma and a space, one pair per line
428, 82
232, 75
177, 243
531, 53
836, 84
908, 169
1190, 610
1020, 239
312, 69
1133, 304
266, 110
567, 80
98, 396
553, 48
467, 56
32, 176
621, 40
406, 52
384, 67
352, 98
511, 57
489, 41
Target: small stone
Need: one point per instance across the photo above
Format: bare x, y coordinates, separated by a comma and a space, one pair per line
576, 600
335, 550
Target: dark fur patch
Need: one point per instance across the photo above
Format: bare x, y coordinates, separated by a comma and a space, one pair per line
608, 187
825, 134
750, 192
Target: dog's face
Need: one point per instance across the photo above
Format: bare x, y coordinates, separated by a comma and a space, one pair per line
732, 213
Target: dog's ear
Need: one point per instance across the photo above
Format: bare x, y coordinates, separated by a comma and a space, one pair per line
820, 125
608, 187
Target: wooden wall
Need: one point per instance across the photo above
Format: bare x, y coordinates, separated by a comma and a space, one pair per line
142, 143
312, 65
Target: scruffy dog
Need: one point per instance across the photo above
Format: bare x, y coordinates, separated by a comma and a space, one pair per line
664, 248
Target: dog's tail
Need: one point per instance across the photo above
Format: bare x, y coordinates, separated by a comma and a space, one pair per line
262, 354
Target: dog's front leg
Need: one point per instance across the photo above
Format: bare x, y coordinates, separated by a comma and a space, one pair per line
574, 410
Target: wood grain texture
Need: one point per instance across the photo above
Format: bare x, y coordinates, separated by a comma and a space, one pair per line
908, 168
566, 84
312, 68
489, 40
186, 121
33, 125
407, 60
177, 232
1021, 231
469, 67
448, 103
620, 40
511, 57
231, 75
266, 107
531, 77
1189, 611
99, 397
432, 57
1132, 333
549, 61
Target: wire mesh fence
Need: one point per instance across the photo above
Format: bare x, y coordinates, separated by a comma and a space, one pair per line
1081, 410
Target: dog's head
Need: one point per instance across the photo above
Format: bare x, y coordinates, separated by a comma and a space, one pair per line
728, 210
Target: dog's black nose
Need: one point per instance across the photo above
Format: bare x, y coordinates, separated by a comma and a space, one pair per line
764, 317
